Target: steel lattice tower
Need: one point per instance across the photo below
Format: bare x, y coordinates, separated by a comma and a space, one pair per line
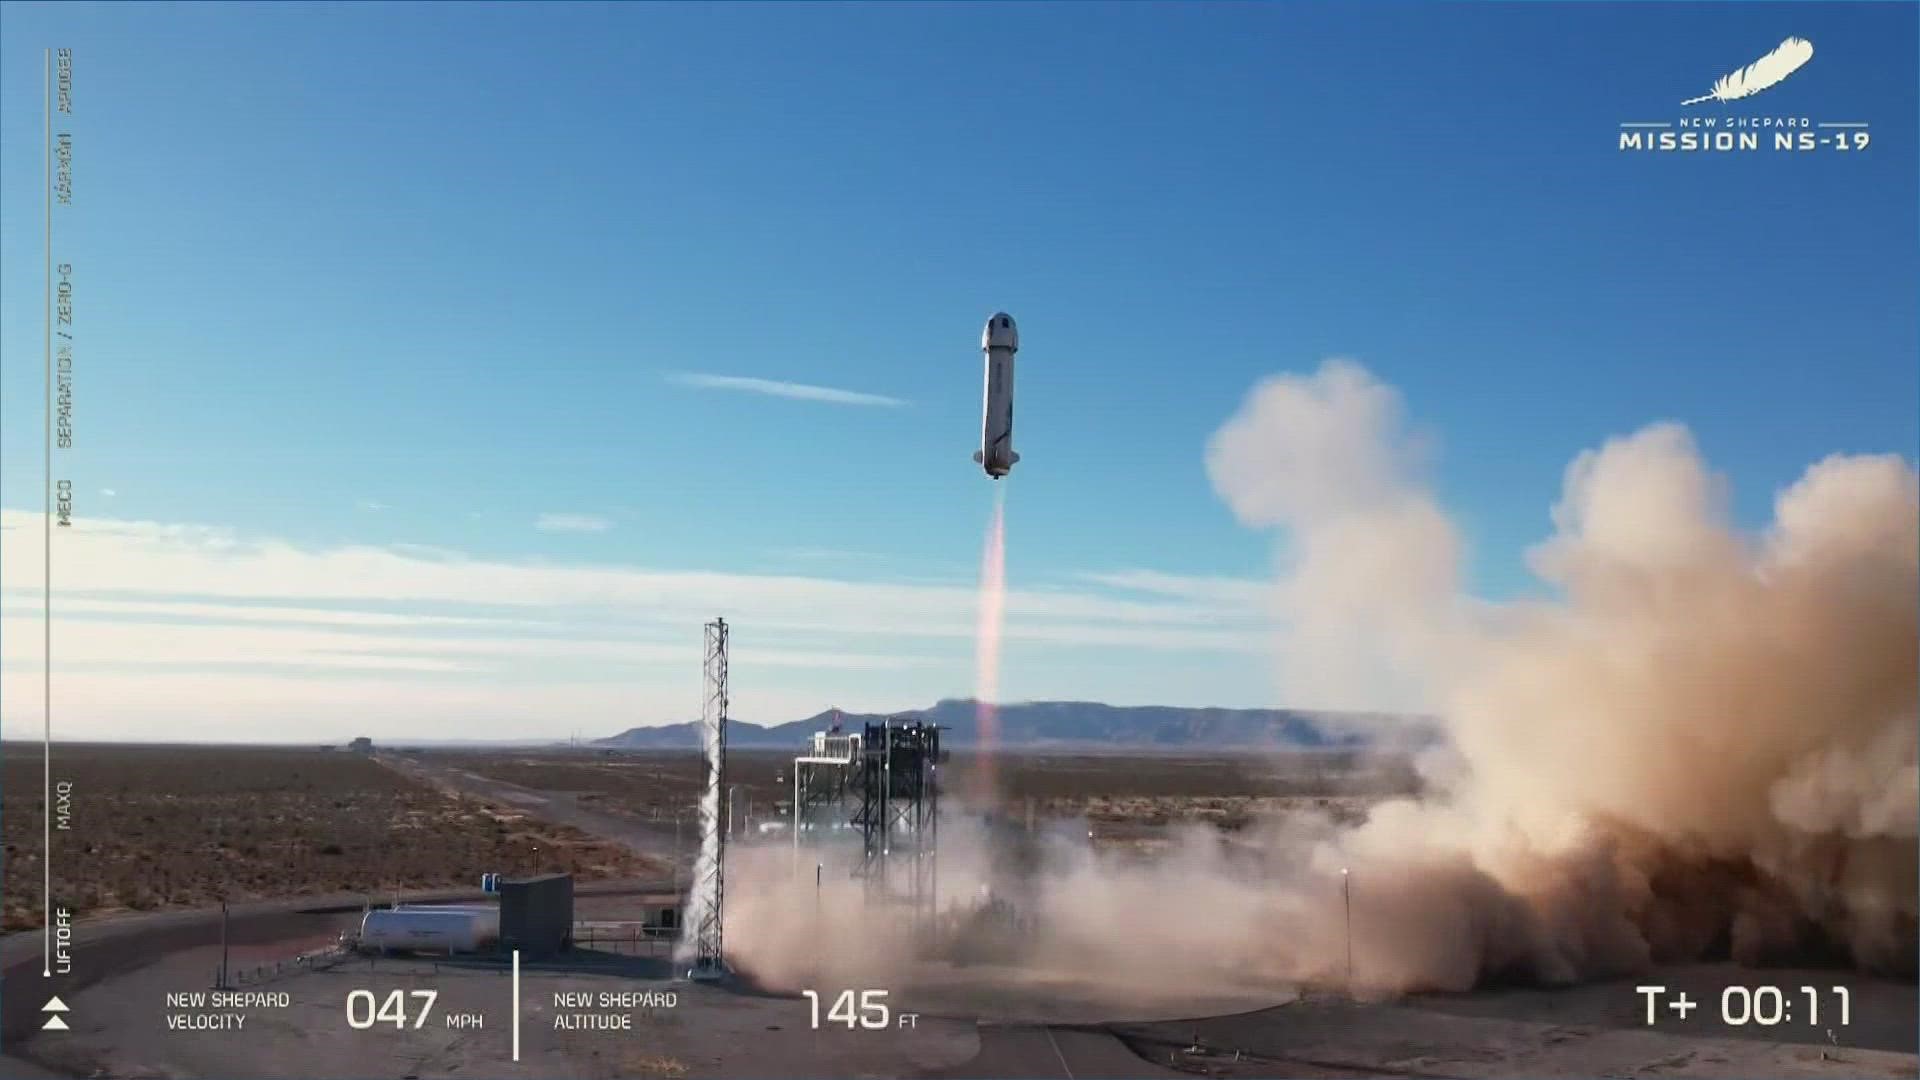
710, 868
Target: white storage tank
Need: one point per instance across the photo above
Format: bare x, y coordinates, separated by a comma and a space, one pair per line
422, 929
487, 914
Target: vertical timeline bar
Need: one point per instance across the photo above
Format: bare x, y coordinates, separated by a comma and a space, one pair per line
46, 521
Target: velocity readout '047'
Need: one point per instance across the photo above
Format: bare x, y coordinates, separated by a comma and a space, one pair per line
362, 1013
872, 1014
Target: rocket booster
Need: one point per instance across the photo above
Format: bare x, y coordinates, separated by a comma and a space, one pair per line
999, 341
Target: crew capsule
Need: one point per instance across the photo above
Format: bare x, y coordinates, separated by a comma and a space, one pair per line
1001, 333
999, 341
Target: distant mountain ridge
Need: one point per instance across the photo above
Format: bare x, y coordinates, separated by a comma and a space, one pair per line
1081, 724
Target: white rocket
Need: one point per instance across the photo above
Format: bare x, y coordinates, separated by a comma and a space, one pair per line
1000, 340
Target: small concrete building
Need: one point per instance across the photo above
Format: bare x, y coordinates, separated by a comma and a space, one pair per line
661, 917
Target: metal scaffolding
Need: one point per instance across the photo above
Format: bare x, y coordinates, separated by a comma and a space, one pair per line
824, 800
899, 815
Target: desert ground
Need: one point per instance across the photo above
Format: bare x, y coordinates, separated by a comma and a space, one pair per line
259, 827
171, 827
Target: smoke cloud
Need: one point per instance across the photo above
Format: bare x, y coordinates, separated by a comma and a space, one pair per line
1703, 745
1707, 742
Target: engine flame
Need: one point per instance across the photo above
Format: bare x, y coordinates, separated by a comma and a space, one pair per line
993, 609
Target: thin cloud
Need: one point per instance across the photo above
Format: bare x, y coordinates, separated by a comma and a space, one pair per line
373, 506
136, 560
572, 523
161, 618
1231, 593
200, 645
775, 388
28, 603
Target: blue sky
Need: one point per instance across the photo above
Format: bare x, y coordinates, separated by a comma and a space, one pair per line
373, 290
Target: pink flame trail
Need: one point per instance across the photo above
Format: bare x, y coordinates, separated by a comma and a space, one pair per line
993, 607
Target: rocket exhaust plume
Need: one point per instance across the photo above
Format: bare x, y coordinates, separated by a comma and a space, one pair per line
993, 607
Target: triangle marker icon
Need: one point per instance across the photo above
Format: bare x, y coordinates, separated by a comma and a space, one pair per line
54, 1023
54, 1004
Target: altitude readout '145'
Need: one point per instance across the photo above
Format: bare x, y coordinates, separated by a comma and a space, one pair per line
872, 1013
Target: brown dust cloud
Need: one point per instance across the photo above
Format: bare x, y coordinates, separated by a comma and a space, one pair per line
1698, 742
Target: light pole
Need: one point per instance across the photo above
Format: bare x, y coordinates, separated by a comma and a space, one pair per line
1346, 897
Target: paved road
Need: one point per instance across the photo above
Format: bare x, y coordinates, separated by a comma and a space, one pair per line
1042, 1052
18, 1069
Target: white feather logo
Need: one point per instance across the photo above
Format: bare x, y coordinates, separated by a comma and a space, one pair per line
1762, 73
